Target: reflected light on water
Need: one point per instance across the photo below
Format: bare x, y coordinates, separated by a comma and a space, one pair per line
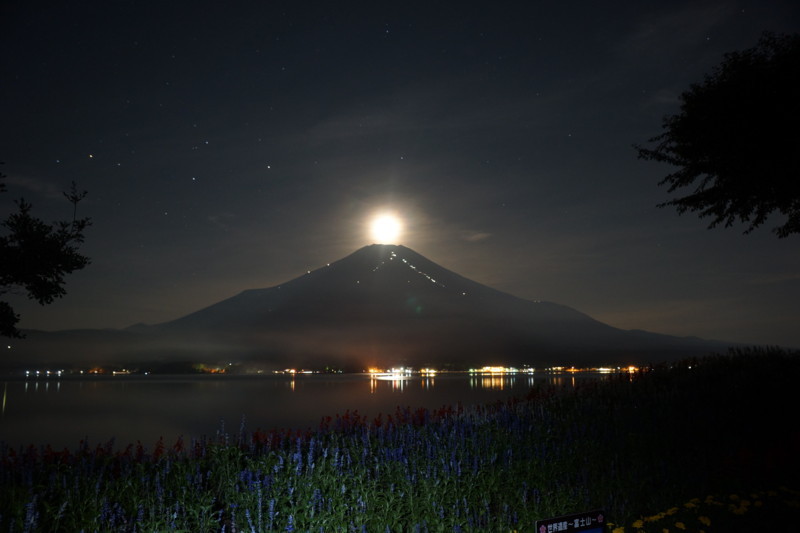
498, 381
561, 380
397, 376
491, 382
398, 384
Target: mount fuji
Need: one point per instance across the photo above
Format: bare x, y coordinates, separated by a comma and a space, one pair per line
387, 305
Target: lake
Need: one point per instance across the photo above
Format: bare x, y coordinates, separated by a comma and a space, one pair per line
130, 408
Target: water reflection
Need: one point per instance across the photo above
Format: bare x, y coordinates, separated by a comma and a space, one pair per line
398, 383
498, 382
505, 381
46, 387
64, 411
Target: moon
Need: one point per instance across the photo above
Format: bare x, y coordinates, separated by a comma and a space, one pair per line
386, 229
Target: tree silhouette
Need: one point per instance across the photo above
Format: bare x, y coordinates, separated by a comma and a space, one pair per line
736, 139
35, 256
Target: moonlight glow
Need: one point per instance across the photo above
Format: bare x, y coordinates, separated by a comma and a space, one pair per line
386, 229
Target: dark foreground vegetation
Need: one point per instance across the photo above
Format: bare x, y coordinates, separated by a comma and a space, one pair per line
690, 446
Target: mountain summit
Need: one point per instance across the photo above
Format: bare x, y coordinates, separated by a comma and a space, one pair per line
383, 305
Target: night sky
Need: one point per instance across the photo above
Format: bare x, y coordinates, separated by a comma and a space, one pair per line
236, 145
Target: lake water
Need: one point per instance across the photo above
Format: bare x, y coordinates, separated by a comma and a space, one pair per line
63, 411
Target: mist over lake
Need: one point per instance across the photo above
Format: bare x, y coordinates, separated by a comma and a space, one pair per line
63, 411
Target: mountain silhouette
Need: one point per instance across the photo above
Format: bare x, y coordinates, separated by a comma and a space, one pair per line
387, 305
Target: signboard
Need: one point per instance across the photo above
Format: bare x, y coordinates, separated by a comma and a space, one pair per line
588, 522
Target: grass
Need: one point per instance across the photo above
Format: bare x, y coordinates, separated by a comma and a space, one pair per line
646, 449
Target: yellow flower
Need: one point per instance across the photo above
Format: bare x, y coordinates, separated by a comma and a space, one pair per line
672, 511
619, 530
734, 497
654, 518
680, 525
637, 524
690, 505
706, 521
665, 530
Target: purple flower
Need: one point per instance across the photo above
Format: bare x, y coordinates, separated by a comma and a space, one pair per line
317, 501
249, 520
31, 515
271, 513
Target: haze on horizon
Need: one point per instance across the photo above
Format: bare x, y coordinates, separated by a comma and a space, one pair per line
230, 148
